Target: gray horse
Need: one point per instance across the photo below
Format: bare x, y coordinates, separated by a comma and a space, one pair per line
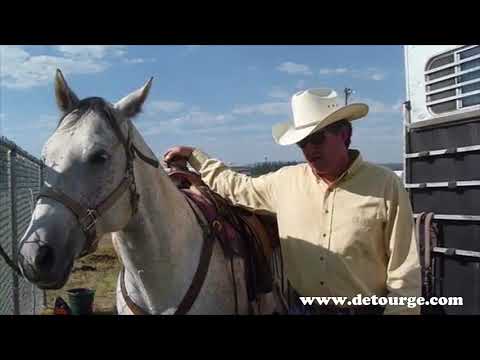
96, 159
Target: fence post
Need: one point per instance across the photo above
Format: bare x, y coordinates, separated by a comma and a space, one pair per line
12, 156
40, 185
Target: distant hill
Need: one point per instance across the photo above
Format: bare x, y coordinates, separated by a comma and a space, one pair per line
262, 168
266, 167
393, 166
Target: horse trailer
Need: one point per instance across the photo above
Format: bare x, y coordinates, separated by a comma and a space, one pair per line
441, 171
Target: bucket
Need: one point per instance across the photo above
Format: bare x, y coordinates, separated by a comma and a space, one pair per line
81, 301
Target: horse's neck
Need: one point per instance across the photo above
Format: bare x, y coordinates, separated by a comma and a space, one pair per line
161, 244
160, 249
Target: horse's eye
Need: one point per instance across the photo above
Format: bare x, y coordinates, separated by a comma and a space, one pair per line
99, 157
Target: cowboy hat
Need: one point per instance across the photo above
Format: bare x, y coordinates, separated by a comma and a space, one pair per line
314, 109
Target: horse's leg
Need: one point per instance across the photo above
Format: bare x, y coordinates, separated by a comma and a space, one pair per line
122, 308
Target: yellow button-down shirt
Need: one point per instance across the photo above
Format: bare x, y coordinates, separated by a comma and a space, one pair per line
355, 236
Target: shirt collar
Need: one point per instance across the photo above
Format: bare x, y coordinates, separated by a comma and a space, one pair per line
352, 169
356, 164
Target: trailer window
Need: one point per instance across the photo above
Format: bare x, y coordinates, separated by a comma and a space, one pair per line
453, 80
471, 100
468, 53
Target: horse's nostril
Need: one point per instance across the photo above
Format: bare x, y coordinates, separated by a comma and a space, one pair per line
44, 259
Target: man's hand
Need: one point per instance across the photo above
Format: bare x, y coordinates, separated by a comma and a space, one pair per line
178, 153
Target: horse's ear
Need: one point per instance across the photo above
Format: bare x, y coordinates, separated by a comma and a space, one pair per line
66, 98
131, 105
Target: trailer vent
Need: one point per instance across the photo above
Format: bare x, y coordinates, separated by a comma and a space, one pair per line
453, 80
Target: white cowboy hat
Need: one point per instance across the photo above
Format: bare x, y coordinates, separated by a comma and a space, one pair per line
314, 109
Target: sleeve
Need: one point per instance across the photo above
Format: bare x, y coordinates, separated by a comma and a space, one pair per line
253, 193
403, 267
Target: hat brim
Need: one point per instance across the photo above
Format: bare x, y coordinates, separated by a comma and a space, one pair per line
286, 134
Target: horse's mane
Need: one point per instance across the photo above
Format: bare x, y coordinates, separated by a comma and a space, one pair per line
96, 104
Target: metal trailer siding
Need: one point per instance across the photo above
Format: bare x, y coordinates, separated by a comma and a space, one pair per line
442, 175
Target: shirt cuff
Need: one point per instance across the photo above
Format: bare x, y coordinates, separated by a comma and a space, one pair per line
197, 159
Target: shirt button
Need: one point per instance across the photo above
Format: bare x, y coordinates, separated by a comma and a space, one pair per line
321, 283
321, 258
326, 211
324, 235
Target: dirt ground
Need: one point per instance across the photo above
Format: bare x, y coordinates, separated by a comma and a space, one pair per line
98, 271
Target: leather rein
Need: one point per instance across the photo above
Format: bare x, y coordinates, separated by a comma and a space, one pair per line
198, 279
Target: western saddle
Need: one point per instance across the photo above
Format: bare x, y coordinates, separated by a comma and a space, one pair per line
240, 232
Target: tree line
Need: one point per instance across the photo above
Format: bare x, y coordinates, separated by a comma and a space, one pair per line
266, 167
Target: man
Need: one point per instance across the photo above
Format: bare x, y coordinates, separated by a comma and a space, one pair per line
345, 225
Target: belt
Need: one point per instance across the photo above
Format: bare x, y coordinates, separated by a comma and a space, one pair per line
297, 307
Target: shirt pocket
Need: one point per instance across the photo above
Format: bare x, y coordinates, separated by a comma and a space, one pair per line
367, 221
358, 234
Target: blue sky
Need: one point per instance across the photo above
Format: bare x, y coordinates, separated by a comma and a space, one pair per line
223, 99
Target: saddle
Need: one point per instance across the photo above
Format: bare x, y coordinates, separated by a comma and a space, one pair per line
240, 232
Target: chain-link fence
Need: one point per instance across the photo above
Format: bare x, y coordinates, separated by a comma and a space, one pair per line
21, 176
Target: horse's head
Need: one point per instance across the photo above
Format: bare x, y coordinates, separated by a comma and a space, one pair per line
86, 161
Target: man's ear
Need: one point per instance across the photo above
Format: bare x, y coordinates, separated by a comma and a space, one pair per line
346, 134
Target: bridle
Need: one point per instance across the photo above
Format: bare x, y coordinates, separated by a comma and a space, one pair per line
87, 217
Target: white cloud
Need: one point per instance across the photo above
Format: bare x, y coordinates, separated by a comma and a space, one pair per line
43, 122
328, 71
377, 107
371, 74
377, 76
139, 60
193, 121
398, 106
294, 68
192, 48
134, 61
278, 93
252, 127
149, 129
202, 119
48, 122
92, 51
237, 127
21, 70
274, 108
366, 74
165, 106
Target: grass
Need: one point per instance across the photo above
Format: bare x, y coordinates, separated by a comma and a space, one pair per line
98, 271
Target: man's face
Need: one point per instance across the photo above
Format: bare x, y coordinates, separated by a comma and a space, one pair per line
325, 150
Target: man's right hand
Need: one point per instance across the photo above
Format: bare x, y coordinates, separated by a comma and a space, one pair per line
177, 153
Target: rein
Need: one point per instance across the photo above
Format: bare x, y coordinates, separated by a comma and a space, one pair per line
197, 281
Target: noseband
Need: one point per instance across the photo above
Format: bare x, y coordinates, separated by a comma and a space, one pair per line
88, 217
